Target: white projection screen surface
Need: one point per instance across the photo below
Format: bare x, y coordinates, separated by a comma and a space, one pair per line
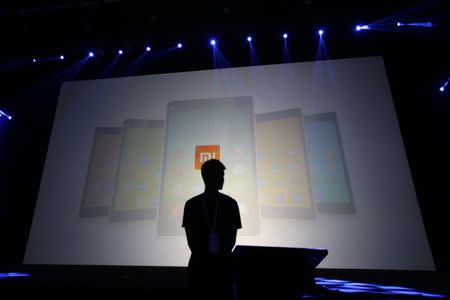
313, 155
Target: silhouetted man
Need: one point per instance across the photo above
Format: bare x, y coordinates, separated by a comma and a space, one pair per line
211, 221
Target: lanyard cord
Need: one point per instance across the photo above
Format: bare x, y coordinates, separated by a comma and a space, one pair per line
212, 227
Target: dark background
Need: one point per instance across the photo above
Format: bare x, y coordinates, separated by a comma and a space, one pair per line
416, 59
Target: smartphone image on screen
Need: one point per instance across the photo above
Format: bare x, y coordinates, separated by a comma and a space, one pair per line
330, 182
139, 172
102, 172
283, 175
198, 130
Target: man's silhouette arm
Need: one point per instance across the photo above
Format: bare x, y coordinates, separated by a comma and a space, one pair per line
229, 240
194, 241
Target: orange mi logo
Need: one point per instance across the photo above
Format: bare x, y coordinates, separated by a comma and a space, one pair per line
204, 153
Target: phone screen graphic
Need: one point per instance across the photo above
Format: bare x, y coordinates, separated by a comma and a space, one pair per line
199, 130
283, 182
329, 176
139, 175
102, 171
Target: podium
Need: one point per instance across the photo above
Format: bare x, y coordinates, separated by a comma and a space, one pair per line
275, 272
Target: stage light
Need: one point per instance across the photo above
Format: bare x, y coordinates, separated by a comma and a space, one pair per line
148, 49
91, 54
61, 57
120, 51
179, 45
444, 86
34, 60
285, 35
362, 27
6, 115
399, 24
320, 32
213, 42
249, 38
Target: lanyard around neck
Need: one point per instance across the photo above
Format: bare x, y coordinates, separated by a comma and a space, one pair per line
212, 227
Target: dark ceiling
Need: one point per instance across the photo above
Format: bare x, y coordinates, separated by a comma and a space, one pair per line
27, 27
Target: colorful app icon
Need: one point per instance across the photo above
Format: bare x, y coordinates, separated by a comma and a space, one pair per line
205, 153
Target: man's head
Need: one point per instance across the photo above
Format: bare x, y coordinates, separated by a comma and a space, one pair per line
213, 174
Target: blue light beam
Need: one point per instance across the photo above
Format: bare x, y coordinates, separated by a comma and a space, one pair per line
421, 24
444, 86
415, 24
3, 114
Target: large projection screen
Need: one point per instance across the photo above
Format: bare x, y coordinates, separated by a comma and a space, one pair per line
313, 154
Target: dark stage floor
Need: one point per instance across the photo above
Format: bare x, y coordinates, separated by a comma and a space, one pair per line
170, 282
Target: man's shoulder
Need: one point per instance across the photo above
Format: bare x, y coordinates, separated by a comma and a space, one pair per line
197, 200
228, 199
194, 200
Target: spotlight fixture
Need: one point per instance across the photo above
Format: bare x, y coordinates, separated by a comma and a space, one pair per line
362, 27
